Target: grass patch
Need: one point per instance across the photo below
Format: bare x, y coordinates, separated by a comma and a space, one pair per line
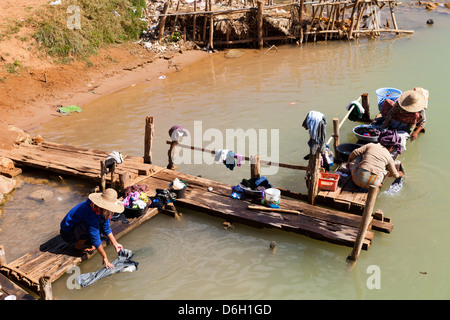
101, 22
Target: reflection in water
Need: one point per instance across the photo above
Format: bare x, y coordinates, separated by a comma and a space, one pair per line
197, 258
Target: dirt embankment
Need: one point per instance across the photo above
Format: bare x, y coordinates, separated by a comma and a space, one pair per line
33, 85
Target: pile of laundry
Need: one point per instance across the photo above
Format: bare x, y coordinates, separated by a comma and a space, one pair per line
228, 158
251, 187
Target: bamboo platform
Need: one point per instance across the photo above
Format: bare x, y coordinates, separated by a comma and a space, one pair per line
224, 23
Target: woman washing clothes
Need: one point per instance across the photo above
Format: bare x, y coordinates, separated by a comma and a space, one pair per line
368, 163
407, 113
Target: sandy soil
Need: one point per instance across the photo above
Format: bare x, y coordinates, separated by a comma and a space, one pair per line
31, 95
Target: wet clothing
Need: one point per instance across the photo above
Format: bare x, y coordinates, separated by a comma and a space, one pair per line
316, 123
121, 264
82, 223
370, 165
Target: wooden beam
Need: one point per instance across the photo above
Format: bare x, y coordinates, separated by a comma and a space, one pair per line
366, 219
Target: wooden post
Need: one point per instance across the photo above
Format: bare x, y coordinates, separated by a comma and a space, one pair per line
394, 22
2, 256
301, 20
352, 25
366, 106
162, 21
171, 154
45, 288
102, 176
113, 169
335, 135
149, 133
194, 22
259, 25
255, 167
313, 186
365, 222
123, 181
211, 31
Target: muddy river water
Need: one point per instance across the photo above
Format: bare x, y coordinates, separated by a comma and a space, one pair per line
266, 96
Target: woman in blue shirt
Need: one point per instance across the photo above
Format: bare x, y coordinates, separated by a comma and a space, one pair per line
86, 222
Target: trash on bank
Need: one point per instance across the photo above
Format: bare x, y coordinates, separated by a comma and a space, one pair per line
65, 111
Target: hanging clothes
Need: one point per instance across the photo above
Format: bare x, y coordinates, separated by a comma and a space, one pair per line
357, 111
176, 132
316, 123
114, 156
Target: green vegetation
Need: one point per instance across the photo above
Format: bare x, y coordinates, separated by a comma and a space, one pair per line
13, 67
101, 22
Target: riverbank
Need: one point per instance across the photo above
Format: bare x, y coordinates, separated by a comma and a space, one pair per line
34, 85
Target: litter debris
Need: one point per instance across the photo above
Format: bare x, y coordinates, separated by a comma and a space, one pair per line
162, 77
68, 110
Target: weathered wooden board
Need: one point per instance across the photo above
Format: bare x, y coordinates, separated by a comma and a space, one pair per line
315, 222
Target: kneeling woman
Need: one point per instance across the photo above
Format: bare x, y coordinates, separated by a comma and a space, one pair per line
372, 160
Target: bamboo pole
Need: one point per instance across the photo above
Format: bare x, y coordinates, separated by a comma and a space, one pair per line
352, 24
394, 22
365, 222
148, 139
259, 25
265, 162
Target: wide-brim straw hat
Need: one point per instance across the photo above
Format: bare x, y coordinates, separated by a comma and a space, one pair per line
107, 200
412, 101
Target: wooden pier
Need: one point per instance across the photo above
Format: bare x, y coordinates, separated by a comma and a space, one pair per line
37, 269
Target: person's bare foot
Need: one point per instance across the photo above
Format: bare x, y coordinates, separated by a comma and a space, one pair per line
81, 245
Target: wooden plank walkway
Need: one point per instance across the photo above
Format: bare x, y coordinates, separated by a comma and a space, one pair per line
54, 257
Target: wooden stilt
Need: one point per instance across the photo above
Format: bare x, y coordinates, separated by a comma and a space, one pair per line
149, 133
162, 21
301, 20
102, 176
365, 222
259, 24
366, 106
313, 186
171, 154
255, 167
335, 135
353, 20
45, 288
211, 31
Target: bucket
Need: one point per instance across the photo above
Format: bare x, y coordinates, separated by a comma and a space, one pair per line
134, 212
345, 149
387, 93
179, 192
272, 196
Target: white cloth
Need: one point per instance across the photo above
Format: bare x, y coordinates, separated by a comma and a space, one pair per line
221, 155
357, 104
